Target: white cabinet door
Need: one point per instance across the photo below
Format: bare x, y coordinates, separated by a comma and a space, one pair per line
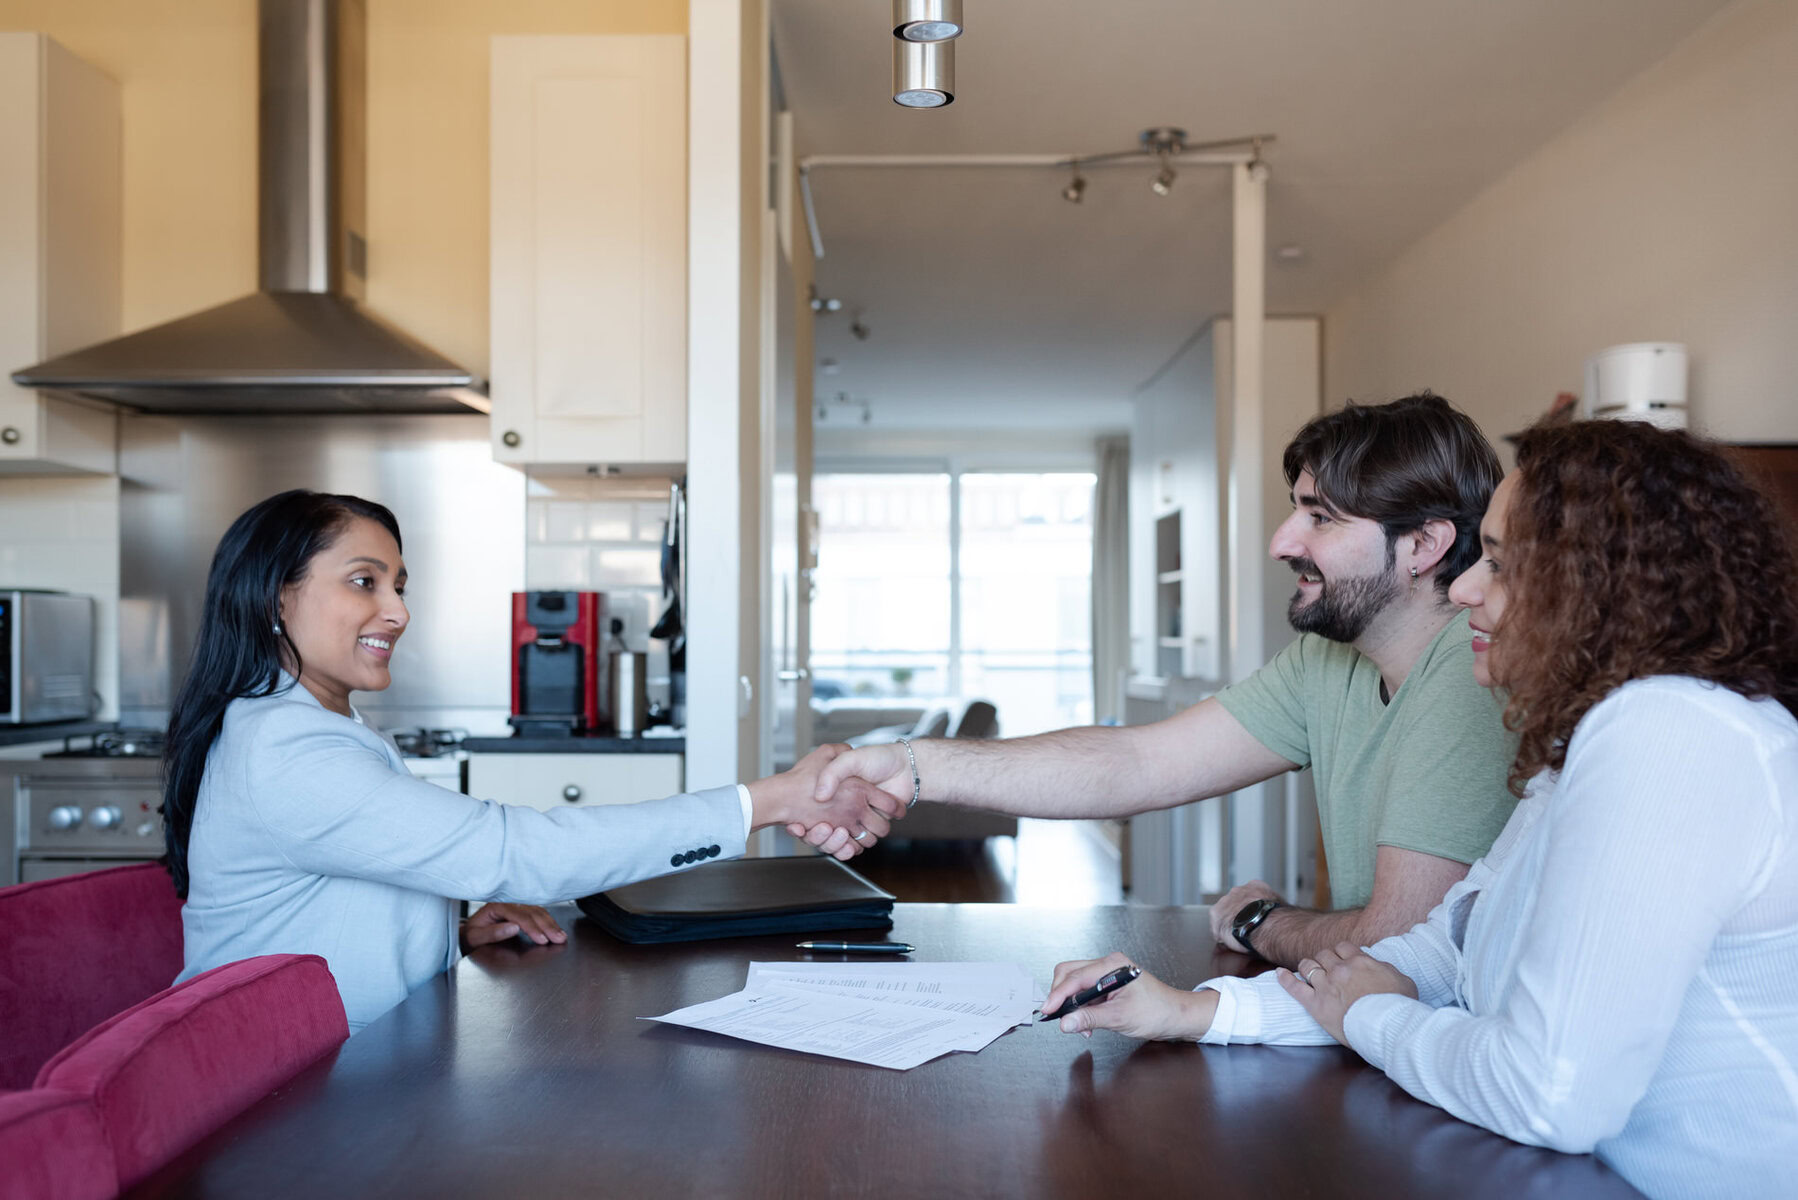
550, 781
60, 247
589, 248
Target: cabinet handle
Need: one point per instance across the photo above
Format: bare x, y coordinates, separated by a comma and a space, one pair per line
572, 794
10, 435
510, 437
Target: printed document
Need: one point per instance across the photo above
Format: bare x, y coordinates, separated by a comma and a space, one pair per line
894, 1015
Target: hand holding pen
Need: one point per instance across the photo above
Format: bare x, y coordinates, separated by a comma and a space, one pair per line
1146, 1008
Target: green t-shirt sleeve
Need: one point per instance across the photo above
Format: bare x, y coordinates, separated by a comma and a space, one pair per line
1271, 706
1447, 792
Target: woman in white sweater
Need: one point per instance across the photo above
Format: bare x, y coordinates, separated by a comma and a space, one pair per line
1619, 974
294, 828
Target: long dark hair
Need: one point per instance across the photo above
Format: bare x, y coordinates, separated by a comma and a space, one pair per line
240, 650
1631, 551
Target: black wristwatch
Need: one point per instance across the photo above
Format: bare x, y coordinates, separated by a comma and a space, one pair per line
1249, 919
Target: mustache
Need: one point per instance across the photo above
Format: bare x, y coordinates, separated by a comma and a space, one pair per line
1304, 566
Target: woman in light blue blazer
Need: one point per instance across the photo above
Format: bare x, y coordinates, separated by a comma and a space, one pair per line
295, 828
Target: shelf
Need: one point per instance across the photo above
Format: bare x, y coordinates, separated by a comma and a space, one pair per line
1168, 577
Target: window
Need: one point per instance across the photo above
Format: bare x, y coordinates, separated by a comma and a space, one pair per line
958, 585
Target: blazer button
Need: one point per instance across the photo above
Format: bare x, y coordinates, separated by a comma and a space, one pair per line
675, 861
712, 852
691, 856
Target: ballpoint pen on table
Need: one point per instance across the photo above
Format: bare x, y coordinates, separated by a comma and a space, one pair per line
1107, 984
858, 947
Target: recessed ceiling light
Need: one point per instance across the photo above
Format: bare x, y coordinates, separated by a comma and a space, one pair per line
1290, 252
927, 20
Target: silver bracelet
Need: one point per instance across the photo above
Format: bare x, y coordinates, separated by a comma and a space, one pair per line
917, 788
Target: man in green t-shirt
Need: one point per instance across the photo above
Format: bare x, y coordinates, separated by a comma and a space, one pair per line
1377, 696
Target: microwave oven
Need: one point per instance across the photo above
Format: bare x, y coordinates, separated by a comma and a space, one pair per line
46, 657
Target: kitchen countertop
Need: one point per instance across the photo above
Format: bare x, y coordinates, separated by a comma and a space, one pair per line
22, 735
575, 745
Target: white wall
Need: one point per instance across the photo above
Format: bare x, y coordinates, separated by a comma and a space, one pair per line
1668, 212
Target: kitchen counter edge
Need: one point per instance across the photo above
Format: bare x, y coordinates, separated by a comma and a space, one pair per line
575, 745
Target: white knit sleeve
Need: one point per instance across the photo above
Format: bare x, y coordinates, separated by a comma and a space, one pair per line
1664, 824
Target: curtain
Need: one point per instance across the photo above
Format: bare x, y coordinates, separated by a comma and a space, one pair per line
1111, 578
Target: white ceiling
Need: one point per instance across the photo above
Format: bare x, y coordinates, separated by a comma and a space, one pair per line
991, 302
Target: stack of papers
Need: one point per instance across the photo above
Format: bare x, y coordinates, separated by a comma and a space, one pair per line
884, 1014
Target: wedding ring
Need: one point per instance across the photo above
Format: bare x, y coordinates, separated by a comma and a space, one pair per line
859, 836
1310, 973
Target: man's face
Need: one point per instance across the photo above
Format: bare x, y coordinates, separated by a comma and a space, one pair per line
1347, 572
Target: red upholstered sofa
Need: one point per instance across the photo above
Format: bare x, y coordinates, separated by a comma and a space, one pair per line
166, 1072
157, 1067
76, 950
52, 1147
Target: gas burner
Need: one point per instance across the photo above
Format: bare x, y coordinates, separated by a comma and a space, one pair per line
427, 743
115, 743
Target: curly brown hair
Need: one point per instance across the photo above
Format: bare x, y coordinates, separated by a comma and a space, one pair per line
1629, 552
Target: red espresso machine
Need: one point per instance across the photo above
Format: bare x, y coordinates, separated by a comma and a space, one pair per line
558, 664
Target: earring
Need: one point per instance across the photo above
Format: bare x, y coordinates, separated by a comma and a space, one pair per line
278, 624
1413, 581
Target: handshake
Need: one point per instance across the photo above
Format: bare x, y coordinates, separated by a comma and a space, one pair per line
840, 800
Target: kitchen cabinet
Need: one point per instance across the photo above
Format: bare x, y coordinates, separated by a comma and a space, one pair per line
60, 248
589, 249
551, 781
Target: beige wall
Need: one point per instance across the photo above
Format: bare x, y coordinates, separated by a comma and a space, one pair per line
187, 74
1669, 212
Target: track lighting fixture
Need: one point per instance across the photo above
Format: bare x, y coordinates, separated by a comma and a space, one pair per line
1163, 183
1075, 191
927, 20
1163, 141
923, 74
824, 304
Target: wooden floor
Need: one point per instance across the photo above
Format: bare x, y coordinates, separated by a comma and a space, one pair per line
1050, 863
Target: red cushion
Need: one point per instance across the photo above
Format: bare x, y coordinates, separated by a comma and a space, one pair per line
53, 1148
74, 951
167, 1072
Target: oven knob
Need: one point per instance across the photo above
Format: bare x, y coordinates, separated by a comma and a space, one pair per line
65, 816
146, 828
106, 817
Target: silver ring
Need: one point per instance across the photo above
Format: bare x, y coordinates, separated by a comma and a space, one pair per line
1309, 974
859, 836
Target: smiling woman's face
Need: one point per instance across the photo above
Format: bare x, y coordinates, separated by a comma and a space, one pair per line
1481, 588
346, 615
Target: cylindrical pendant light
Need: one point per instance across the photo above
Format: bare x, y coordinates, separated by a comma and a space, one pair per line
927, 20
923, 73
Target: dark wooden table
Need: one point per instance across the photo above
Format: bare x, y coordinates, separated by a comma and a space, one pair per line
525, 1072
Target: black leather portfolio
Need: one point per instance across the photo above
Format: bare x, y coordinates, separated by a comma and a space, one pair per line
743, 897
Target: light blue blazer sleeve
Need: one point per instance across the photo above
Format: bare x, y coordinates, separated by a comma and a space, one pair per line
333, 799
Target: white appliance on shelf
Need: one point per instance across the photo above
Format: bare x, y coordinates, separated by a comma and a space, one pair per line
1641, 381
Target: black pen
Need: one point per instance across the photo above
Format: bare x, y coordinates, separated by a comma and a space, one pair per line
1107, 984
859, 947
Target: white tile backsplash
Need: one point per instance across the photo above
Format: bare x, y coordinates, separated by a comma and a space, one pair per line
549, 567
638, 567
601, 535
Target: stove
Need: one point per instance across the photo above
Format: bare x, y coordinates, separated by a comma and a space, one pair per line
418, 742
123, 742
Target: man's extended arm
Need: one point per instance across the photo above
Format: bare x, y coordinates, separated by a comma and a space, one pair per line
1407, 884
1088, 772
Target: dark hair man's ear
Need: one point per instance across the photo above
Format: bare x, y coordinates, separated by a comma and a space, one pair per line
1431, 543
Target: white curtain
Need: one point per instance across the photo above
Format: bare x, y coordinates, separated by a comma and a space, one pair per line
1111, 577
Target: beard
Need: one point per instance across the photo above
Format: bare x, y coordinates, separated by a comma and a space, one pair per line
1344, 608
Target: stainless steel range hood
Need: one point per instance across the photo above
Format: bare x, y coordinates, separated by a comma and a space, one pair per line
304, 343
